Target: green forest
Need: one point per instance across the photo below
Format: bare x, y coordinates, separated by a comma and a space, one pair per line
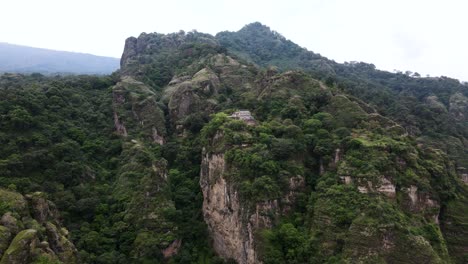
237, 148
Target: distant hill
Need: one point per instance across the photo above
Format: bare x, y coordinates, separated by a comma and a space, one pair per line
22, 59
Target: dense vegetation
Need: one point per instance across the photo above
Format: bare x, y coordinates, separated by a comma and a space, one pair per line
375, 157
425, 106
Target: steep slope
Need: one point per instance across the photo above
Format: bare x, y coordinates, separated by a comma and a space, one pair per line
371, 192
425, 181
432, 109
193, 154
22, 59
429, 108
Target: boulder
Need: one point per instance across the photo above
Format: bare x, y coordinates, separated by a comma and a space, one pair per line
21, 249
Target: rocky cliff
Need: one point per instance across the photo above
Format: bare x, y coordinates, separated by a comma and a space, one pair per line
241, 148
317, 161
235, 223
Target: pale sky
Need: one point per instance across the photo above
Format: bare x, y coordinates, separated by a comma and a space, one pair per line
425, 36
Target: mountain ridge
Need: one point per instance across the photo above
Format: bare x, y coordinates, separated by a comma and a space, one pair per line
25, 59
193, 153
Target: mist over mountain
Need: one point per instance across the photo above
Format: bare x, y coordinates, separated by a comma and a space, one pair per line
23, 59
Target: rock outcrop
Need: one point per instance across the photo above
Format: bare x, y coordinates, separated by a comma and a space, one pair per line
233, 222
230, 224
21, 249
27, 221
420, 202
136, 111
141, 51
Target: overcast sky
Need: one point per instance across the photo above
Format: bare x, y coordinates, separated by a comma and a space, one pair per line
425, 36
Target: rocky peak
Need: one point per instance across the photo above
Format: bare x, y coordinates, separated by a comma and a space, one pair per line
257, 27
153, 47
130, 50
234, 221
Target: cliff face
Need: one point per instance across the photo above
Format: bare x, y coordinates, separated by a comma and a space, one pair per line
154, 104
315, 161
235, 223
135, 110
251, 178
227, 220
212, 157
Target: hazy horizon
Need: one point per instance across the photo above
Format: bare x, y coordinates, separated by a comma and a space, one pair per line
420, 36
78, 52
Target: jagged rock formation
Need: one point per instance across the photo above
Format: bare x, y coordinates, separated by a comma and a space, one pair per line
195, 152
233, 222
227, 221
136, 110
26, 237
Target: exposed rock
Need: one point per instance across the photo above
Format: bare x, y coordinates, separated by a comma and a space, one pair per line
232, 223
183, 101
43, 210
227, 221
418, 202
35, 213
136, 111
413, 195
172, 249
5, 236
130, 51
189, 95
21, 249
43, 245
221, 60
464, 178
64, 249
338, 155
295, 185
207, 81
346, 179
363, 189
119, 126
157, 138
232, 73
322, 167
10, 222
387, 188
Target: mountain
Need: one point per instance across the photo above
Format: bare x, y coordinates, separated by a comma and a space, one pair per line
404, 97
22, 59
237, 148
